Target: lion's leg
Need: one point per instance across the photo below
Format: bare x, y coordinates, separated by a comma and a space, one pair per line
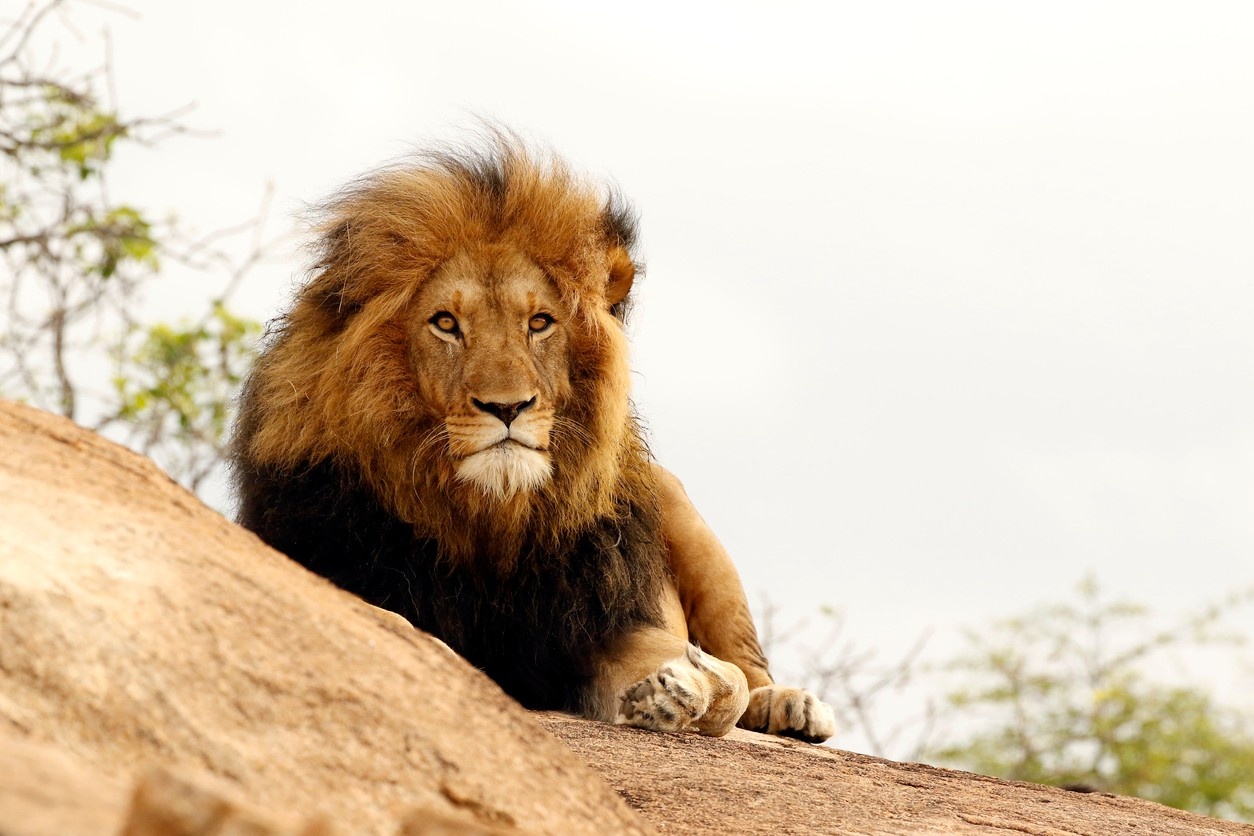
717, 617
653, 678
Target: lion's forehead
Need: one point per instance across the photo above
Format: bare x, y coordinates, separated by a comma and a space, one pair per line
500, 279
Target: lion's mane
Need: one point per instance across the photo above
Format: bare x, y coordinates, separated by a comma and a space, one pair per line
338, 462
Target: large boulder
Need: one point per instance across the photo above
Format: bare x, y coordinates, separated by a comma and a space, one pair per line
163, 673
139, 629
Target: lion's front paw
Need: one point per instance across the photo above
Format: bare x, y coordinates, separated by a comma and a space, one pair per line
695, 692
672, 698
788, 712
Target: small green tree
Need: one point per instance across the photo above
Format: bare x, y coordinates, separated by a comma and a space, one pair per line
1067, 696
74, 264
173, 390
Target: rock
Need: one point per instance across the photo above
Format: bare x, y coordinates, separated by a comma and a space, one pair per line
748, 783
139, 629
167, 803
163, 672
46, 791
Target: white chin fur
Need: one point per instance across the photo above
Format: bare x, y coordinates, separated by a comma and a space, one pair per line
506, 469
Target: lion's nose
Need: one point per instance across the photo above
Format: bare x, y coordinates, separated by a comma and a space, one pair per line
507, 412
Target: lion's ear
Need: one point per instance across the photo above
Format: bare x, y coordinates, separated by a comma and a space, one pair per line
622, 274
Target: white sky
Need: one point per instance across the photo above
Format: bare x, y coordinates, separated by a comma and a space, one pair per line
947, 303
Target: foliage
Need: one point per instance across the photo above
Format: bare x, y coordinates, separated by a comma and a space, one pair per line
174, 386
1067, 696
74, 264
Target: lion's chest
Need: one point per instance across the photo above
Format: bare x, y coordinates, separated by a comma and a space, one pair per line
531, 629
534, 629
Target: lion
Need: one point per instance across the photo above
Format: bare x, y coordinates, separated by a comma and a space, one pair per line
441, 424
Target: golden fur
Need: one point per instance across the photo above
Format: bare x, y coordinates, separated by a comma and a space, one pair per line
348, 395
442, 424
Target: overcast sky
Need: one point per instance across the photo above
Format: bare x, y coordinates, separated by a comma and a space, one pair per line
947, 304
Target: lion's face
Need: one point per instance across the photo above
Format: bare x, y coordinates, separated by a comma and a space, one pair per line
489, 349
459, 351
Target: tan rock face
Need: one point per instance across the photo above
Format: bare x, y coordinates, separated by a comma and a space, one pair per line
163, 672
138, 628
44, 791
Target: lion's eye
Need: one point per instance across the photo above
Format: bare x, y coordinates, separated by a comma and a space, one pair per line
445, 322
540, 322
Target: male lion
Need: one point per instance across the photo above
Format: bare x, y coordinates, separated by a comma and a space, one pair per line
441, 425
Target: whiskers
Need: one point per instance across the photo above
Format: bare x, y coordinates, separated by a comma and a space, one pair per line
564, 428
430, 438
425, 446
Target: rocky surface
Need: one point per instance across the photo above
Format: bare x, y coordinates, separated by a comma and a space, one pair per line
163, 672
751, 783
139, 629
